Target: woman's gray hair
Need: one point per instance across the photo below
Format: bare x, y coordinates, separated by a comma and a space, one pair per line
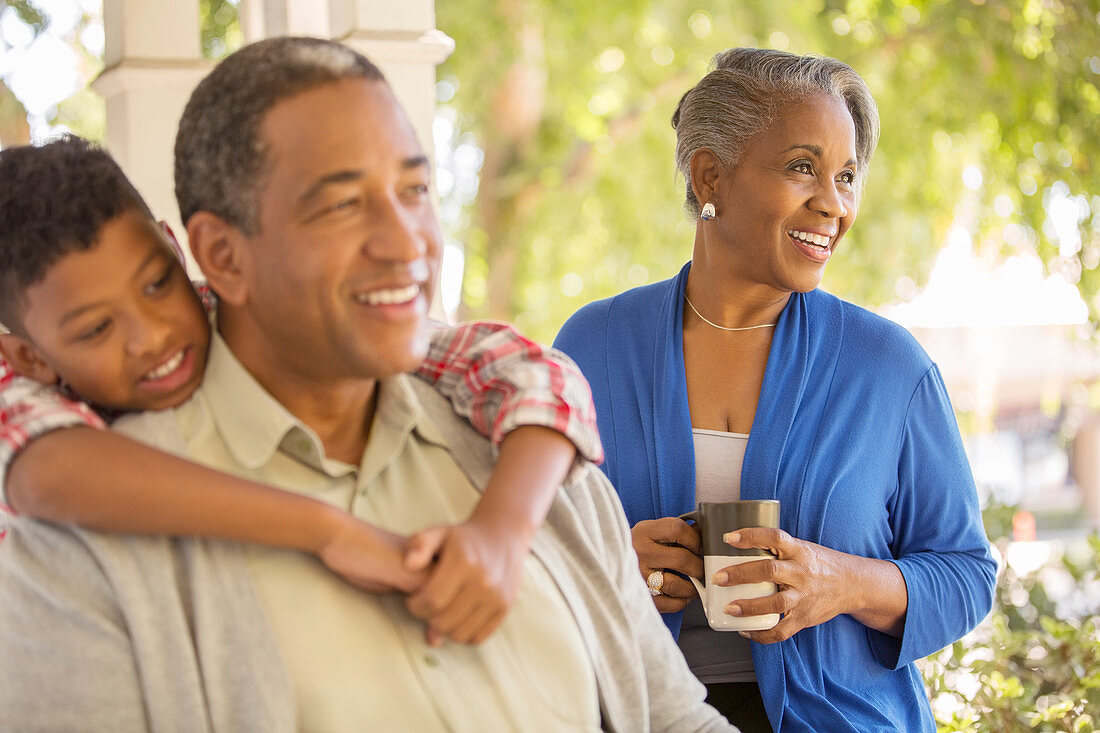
743, 94
220, 159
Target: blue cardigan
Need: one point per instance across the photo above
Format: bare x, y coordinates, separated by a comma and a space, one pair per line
855, 435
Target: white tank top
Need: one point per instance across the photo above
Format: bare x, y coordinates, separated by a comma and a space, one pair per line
716, 656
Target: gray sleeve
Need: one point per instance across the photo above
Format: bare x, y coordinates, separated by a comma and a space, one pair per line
676, 697
66, 661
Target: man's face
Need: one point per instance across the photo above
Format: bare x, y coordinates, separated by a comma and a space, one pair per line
341, 270
120, 322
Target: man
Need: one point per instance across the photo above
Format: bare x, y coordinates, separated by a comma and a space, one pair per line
305, 194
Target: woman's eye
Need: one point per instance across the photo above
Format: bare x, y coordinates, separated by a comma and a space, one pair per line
848, 177
802, 167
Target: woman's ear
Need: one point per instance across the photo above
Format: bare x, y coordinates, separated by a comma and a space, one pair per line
26, 360
706, 169
218, 248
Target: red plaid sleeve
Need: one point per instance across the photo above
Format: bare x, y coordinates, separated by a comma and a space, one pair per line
206, 295
28, 410
499, 380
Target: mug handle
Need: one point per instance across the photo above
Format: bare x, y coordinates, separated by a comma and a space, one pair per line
700, 588
692, 516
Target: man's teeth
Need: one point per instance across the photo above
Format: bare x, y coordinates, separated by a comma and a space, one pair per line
167, 367
818, 240
389, 297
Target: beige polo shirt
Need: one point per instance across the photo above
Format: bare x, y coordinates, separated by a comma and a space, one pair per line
357, 661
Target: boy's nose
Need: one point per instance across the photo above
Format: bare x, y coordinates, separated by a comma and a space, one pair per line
147, 336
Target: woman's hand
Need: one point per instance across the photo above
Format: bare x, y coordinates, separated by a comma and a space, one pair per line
669, 544
815, 583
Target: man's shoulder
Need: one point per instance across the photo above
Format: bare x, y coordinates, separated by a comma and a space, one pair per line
471, 450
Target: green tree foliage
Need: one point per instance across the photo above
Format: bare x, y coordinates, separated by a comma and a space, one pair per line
578, 199
220, 28
14, 129
83, 113
1035, 664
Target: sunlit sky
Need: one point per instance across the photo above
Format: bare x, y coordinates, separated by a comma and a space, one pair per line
962, 291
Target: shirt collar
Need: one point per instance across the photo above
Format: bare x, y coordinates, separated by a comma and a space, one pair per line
254, 425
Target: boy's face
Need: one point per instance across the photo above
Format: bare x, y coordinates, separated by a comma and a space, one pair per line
120, 323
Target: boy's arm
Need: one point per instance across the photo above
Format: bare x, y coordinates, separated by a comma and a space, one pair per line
533, 403
28, 410
105, 481
480, 562
499, 380
59, 464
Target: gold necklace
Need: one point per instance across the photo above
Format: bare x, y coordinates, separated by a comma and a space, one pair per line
724, 328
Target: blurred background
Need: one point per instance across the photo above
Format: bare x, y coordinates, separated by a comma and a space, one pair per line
979, 231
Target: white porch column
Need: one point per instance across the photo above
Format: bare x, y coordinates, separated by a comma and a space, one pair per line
152, 61
401, 38
267, 18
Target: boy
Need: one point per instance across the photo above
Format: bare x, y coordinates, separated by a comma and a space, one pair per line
98, 305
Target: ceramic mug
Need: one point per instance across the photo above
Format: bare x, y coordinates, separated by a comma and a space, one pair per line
715, 519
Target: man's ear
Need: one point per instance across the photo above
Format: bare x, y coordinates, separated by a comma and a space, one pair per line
219, 249
706, 170
25, 359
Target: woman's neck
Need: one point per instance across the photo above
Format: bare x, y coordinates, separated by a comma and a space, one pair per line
727, 300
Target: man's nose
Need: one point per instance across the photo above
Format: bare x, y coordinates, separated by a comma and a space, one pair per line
395, 234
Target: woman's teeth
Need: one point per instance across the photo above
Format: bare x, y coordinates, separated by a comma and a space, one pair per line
818, 240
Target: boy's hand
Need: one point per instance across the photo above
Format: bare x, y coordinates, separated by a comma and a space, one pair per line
474, 581
369, 558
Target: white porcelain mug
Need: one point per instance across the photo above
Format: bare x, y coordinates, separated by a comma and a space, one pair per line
715, 519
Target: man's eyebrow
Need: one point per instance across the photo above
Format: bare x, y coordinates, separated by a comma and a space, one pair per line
416, 161
816, 150
80, 310
347, 176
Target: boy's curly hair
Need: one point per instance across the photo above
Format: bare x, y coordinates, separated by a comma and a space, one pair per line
54, 199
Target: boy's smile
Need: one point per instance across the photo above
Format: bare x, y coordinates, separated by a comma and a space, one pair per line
120, 323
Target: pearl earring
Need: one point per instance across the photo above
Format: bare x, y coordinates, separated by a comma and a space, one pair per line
708, 212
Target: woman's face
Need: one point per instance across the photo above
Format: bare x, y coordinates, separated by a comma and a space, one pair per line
784, 206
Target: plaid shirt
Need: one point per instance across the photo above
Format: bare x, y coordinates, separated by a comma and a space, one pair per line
494, 377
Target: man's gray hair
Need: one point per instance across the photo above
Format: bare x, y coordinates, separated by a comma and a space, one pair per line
220, 159
742, 96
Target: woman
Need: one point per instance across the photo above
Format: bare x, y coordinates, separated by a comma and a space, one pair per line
738, 379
